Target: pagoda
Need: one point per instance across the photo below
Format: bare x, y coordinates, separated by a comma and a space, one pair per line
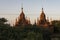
21, 20
42, 21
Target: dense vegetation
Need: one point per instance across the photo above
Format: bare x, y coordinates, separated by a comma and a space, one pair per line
30, 32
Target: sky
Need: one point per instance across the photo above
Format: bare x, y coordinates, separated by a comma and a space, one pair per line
10, 9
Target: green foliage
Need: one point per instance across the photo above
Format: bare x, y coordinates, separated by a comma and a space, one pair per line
28, 32
3, 20
56, 24
19, 32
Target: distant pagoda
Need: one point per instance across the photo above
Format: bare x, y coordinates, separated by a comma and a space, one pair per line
21, 20
42, 21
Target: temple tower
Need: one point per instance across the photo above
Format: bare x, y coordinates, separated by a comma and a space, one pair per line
21, 20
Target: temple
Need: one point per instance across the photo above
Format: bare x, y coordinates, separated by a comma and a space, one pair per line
42, 21
21, 20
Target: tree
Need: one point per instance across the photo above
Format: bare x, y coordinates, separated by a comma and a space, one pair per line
3, 20
56, 24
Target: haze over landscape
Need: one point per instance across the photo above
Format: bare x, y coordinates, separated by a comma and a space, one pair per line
11, 9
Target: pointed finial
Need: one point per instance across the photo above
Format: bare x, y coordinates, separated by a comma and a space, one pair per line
22, 6
42, 9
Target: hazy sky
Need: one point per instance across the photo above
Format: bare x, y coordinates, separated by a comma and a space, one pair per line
11, 9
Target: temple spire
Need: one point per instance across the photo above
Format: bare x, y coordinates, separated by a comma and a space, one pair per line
22, 7
42, 10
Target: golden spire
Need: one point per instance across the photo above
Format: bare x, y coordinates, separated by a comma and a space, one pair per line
42, 16
22, 15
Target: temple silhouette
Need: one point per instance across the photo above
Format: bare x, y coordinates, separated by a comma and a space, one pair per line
21, 20
41, 22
